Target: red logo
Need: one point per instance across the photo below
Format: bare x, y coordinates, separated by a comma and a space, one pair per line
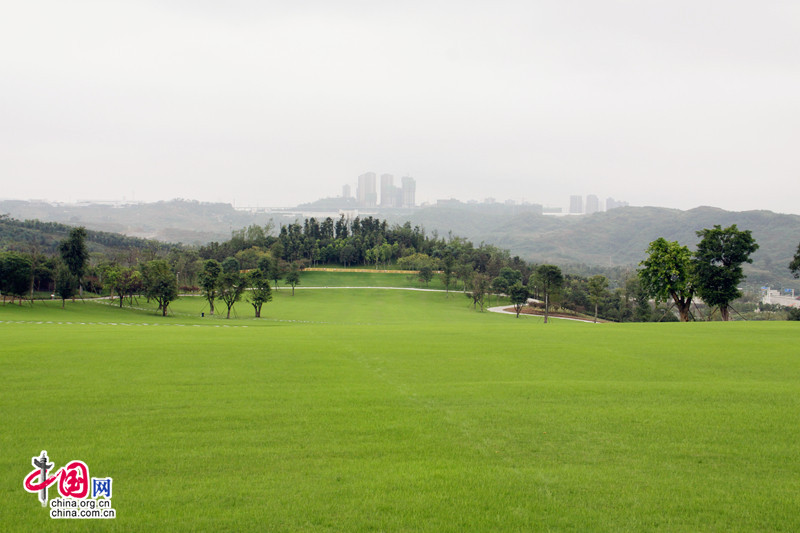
73, 479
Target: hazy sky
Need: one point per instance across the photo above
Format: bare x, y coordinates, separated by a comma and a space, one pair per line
675, 103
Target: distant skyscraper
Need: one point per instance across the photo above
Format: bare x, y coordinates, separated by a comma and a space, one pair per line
576, 204
367, 194
613, 204
592, 204
409, 191
388, 195
346, 191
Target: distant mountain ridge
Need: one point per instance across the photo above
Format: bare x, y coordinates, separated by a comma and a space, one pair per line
620, 237
616, 238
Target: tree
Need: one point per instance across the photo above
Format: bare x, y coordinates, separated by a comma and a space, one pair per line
293, 276
209, 281
66, 283
500, 285
261, 292
231, 283
794, 266
160, 283
447, 271
425, 274
464, 273
277, 269
668, 273
510, 275
480, 286
718, 264
597, 289
15, 274
114, 279
548, 280
124, 282
519, 296
74, 254
642, 311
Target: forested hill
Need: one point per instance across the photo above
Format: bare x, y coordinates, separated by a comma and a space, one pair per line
618, 237
44, 237
615, 238
185, 221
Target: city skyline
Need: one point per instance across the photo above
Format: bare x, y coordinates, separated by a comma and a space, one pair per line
663, 104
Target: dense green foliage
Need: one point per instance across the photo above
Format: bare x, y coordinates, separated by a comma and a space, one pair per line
548, 281
15, 274
581, 245
668, 274
260, 291
449, 263
47, 236
159, 283
74, 253
718, 264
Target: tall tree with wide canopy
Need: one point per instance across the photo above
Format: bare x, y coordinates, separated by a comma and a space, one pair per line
718, 264
74, 253
668, 273
549, 280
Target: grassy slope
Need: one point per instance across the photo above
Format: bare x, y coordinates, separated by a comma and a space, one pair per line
390, 410
365, 279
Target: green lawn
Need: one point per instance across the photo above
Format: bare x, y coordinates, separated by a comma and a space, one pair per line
367, 279
392, 410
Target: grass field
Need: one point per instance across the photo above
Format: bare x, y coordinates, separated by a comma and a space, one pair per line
371, 410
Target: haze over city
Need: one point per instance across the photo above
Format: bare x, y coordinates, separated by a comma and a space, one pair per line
678, 104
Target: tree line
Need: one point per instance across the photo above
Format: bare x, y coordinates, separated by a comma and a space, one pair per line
259, 257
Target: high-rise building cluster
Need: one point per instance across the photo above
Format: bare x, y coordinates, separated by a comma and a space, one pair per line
592, 204
391, 195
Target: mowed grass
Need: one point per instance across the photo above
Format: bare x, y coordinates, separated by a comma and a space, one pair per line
371, 410
367, 279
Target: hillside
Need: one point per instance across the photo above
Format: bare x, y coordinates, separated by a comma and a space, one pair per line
176, 221
621, 236
44, 237
616, 238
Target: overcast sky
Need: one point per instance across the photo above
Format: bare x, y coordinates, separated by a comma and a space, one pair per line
674, 103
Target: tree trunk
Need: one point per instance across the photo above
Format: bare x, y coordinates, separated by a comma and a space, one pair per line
595, 313
229, 312
723, 309
164, 310
546, 306
683, 311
